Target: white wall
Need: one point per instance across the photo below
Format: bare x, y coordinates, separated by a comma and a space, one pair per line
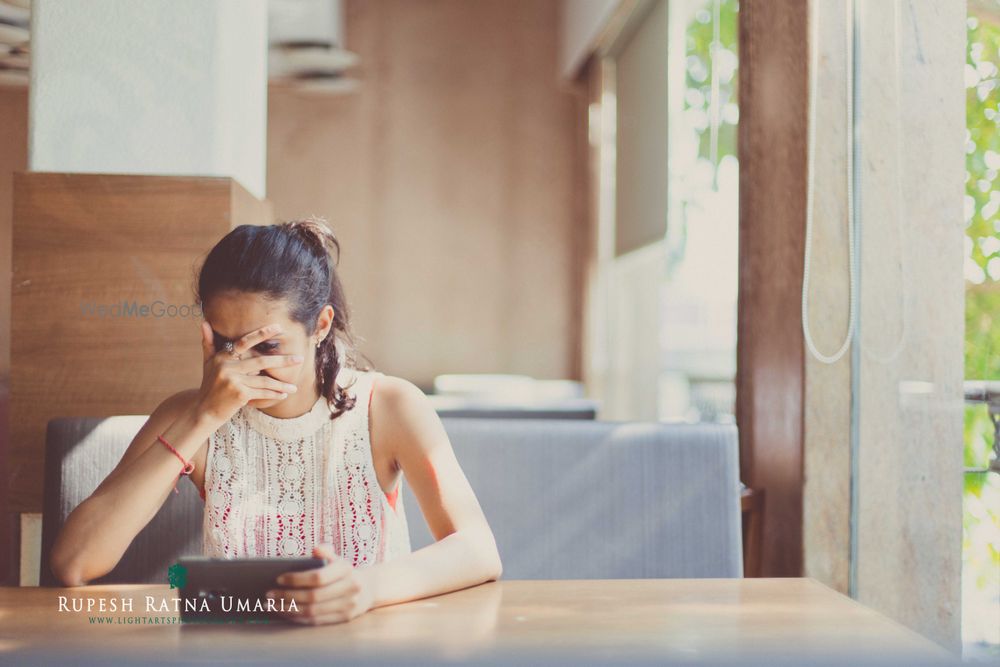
170, 87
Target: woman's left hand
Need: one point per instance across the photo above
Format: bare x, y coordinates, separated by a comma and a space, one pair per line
334, 593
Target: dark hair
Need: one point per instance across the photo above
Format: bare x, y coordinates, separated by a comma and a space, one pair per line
293, 261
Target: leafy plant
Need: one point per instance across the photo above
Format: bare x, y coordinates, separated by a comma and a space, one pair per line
981, 519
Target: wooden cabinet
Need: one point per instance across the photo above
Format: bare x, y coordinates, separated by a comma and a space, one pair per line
103, 318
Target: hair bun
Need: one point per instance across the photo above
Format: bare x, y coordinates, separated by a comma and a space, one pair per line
315, 231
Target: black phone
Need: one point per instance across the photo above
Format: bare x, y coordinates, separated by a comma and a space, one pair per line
232, 590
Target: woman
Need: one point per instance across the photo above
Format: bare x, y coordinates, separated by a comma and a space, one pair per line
295, 448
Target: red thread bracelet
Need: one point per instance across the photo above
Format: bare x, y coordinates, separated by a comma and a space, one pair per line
188, 465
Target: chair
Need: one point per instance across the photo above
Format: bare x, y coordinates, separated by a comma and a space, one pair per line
493, 396
566, 499
576, 499
79, 454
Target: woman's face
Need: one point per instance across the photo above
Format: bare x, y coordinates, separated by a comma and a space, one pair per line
235, 314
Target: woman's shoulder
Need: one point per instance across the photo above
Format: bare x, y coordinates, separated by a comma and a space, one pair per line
404, 421
399, 405
395, 391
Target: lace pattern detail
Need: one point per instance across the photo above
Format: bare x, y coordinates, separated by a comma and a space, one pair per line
277, 487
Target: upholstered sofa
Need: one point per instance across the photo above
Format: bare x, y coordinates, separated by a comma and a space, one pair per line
566, 499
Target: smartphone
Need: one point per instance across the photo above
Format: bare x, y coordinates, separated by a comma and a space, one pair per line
231, 590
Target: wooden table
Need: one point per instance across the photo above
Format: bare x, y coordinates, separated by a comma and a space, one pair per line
649, 621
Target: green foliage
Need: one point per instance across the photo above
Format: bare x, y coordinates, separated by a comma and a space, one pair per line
982, 201
711, 70
981, 518
978, 436
700, 35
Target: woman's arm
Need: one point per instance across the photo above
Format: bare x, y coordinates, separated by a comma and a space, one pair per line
405, 425
99, 530
465, 552
97, 533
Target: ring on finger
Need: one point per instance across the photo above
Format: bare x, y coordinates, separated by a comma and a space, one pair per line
230, 347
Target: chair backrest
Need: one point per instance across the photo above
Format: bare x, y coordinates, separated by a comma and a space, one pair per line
473, 411
575, 499
79, 454
566, 499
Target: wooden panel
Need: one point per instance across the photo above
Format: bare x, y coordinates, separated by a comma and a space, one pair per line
450, 178
770, 360
13, 157
84, 245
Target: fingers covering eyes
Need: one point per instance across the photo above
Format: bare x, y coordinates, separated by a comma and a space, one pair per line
253, 364
246, 342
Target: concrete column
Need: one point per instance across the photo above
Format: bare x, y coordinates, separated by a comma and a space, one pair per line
909, 366
826, 524
165, 87
905, 367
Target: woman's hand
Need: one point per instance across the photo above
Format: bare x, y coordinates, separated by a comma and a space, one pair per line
334, 593
229, 382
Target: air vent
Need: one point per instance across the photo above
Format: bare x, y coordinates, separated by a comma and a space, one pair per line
305, 37
307, 51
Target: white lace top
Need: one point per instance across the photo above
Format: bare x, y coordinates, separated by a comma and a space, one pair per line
278, 487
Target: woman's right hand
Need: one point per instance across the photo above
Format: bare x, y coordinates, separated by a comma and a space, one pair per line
229, 382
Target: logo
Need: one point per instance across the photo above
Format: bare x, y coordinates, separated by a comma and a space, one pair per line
139, 309
177, 575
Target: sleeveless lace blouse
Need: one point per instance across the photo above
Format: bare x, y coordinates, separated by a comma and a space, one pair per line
278, 487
